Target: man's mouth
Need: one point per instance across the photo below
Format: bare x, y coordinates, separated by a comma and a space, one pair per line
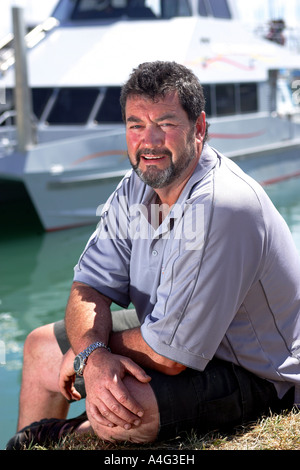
152, 157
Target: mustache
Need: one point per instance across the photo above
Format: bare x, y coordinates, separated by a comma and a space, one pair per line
154, 152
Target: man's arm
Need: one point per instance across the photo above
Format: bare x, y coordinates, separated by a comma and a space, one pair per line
88, 319
130, 343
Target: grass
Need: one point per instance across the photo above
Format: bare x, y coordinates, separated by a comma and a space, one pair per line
276, 432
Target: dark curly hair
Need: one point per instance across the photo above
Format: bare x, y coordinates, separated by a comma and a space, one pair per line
156, 79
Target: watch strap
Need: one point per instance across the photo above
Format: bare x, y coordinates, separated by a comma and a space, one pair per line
98, 344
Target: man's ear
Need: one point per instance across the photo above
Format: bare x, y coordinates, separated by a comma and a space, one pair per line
201, 127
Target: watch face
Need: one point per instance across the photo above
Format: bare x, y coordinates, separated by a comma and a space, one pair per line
77, 363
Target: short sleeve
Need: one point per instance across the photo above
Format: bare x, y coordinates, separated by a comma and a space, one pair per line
104, 264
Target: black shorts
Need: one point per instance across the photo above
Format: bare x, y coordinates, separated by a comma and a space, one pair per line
220, 397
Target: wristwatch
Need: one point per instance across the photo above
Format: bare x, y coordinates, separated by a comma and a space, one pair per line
81, 358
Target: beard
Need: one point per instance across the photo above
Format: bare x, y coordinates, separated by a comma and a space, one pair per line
158, 178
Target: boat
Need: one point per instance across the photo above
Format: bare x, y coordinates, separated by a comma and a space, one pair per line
62, 140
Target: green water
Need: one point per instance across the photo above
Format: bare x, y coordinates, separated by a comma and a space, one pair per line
36, 272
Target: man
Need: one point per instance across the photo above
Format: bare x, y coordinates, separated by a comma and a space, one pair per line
209, 265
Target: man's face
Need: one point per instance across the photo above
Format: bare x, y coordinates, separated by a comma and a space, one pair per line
163, 146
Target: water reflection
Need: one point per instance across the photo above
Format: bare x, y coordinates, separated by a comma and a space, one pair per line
36, 271
286, 197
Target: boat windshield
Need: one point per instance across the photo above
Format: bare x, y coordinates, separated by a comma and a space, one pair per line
139, 9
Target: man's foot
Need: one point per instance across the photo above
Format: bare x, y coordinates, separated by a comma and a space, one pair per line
44, 432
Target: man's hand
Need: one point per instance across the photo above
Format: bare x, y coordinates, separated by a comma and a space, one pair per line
67, 377
108, 400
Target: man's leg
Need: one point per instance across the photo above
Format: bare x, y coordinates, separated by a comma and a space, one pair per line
44, 347
220, 397
223, 395
40, 396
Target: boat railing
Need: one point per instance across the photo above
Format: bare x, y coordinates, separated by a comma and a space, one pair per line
6, 52
36, 35
6, 116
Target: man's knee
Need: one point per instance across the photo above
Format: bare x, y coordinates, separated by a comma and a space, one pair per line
41, 344
147, 431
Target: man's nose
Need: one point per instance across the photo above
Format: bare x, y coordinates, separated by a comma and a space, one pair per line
153, 136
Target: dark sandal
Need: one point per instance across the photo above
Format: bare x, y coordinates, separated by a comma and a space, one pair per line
44, 432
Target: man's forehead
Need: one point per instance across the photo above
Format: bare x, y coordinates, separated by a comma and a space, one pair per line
166, 96
169, 100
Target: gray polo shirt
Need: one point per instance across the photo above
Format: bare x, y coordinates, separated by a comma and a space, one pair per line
220, 276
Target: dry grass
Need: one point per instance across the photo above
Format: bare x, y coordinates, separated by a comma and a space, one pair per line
277, 432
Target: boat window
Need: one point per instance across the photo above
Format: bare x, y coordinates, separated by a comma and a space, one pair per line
110, 109
135, 9
8, 101
202, 10
225, 99
40, 97
171, 8
230, 99
7, 105
220, 8
207, 94
73, 106
248, 97
216, 8
63, 10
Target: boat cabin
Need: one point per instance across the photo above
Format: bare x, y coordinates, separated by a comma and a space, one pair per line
93, 10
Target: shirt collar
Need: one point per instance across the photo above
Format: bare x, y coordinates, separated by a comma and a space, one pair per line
207, 162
